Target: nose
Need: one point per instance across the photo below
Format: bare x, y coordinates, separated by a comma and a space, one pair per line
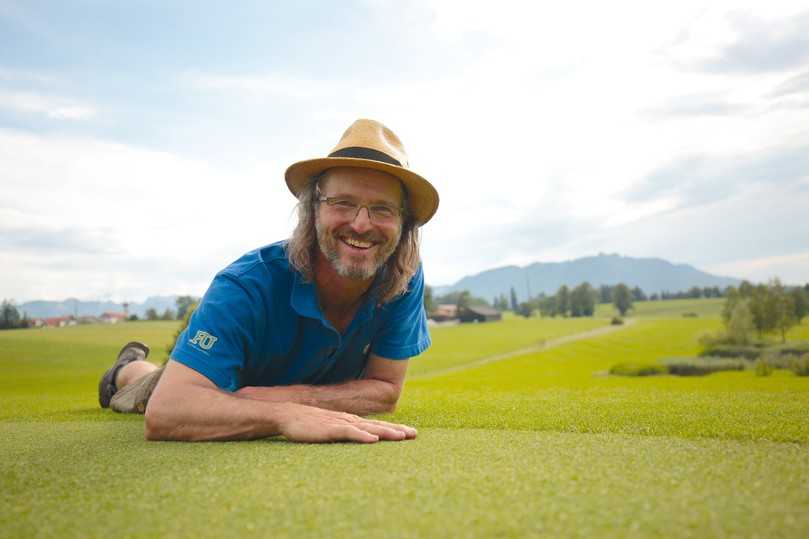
362, 221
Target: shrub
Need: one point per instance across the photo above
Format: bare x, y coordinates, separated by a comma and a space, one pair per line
751, 351
800, 365
183, 324
797, 348
700, 366
690, 315
637, 369
763, 368
617, 321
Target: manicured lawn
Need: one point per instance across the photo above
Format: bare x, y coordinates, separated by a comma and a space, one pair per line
539, 444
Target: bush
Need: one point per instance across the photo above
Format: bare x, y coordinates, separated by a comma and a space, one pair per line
763, 368
690, 315
797, 348
700, 366
800, 365
637, 369
751, 351
183, 324
617, 321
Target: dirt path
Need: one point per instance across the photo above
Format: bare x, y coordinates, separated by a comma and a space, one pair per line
544, 345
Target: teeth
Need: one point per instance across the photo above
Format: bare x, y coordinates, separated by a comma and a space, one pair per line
357, 243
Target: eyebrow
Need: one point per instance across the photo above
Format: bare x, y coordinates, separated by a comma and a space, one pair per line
353, 197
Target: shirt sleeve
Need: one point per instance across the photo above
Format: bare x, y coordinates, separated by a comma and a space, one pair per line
403, 333
220, 334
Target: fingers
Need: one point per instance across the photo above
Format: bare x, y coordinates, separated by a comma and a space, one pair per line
351, 433
383, 432
409, 432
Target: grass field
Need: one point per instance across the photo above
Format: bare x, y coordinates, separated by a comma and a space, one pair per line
540, 444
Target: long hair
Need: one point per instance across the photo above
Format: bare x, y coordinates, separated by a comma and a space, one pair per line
397, 271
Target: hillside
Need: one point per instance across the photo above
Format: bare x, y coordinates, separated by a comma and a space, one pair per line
650, 274
72, 306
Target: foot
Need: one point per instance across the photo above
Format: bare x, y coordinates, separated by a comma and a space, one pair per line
132, 351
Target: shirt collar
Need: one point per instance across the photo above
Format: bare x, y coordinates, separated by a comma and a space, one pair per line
303, 299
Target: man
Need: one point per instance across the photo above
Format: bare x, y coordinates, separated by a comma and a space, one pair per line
302, 338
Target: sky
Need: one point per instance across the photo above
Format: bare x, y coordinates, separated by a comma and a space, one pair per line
143, 144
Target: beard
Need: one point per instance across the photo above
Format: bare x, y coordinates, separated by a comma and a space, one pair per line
357, 267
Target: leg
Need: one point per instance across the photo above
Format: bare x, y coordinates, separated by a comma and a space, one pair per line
131, 372
132, 352
134, 397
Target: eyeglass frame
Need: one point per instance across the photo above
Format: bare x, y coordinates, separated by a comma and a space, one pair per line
399, 212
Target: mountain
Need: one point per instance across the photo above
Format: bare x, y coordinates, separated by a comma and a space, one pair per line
72, 306
650, 274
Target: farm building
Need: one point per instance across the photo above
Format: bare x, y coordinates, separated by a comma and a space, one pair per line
113, 318
444, 312
479, 313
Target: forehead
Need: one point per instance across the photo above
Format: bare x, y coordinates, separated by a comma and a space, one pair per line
363, 183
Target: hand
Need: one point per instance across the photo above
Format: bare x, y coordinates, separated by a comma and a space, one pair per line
315, 425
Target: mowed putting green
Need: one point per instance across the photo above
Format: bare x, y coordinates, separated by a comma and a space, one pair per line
543, 443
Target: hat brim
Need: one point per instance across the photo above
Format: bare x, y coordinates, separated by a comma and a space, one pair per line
422, 197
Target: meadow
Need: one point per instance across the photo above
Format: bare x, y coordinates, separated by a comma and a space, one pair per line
521, 433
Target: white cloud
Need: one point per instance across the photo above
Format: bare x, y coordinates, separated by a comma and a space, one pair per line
791, 268
112, 205
56, 108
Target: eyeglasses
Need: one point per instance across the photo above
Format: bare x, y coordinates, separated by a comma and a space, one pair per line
379, 213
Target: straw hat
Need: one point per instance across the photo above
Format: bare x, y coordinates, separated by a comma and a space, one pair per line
369, 144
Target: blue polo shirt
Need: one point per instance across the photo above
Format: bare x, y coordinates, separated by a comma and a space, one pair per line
259, 324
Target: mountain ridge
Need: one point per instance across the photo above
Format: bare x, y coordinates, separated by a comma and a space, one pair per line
651, 274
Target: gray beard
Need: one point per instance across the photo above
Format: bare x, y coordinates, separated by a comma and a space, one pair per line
328, 245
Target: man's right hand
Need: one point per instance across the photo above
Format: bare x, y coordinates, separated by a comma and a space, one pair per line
187, 406
302, 423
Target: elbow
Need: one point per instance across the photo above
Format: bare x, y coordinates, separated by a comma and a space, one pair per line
157, 423
390, 399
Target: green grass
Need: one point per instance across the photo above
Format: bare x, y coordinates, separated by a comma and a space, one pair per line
672, 308
456, 345
544, 443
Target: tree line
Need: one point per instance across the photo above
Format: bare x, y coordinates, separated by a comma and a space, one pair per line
10, 317
762, 309
581, 300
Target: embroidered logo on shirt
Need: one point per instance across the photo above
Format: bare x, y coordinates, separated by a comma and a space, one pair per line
204, 339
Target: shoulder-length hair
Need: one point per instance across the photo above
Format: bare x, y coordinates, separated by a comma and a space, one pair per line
397, 271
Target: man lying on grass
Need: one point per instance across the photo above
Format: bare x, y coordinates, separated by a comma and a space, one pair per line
303, 337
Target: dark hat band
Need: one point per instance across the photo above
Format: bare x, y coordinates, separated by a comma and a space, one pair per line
359, 152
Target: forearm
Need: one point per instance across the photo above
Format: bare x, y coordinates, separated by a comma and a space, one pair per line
200, 413
361, 397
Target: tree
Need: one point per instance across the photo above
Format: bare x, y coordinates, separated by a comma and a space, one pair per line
783, 309
547, 306
582, 300
168, 314
429, 302
746, 289
800, 298
463, 299
732, 298
9, 315
514, 304
638, 294
622, 298
185, 302
605, 294
763, 307
740, 324
151, 314
563, 300
525, 309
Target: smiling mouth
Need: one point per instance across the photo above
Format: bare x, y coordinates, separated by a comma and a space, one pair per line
357, 244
